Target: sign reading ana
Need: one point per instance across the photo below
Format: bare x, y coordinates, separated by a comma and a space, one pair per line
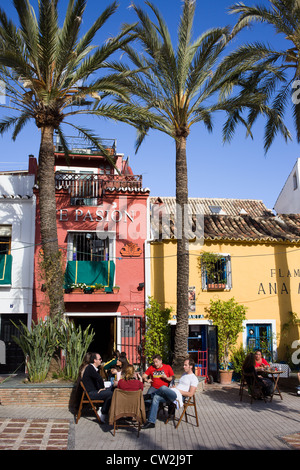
280, 281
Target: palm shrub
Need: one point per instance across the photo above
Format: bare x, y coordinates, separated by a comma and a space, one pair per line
75, 342
38, 345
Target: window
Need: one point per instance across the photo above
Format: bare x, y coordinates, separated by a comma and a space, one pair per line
215, 271
5, 239
86, 246
5, 255
105, 169
295, 182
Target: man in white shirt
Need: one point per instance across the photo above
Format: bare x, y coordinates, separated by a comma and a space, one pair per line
186, 387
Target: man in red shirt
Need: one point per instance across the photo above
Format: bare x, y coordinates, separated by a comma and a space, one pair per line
158, 375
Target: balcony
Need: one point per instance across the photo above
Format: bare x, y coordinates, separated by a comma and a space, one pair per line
80, 146
87, 189
91, 274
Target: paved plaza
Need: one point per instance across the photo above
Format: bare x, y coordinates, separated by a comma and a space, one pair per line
225, 423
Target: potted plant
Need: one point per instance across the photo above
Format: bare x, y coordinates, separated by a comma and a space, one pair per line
116, 289
211, 264
88, 290
228, 317
78, 287
100, 288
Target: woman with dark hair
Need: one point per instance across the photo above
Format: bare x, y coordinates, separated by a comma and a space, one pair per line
249, 368
120, 367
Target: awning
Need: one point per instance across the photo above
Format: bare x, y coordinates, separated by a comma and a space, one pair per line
90, 273
5, 269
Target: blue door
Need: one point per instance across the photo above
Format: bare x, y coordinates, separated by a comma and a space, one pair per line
259, 336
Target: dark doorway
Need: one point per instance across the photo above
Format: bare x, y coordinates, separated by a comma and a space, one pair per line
104, 339
15, 361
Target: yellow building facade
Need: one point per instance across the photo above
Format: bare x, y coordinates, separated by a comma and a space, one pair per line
260, 255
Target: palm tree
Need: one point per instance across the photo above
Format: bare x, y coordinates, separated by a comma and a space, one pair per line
284, 16
185, 86
48, 72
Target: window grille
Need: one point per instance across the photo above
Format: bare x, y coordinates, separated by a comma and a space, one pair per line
85, 246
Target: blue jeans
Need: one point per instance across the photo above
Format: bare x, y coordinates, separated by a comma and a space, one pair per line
162, 395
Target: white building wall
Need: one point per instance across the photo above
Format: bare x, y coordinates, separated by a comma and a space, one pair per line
288, 201
17, 208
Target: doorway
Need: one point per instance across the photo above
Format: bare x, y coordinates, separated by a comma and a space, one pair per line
259, 336
14, 361
104, 341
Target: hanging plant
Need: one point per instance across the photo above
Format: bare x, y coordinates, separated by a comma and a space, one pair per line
210, 263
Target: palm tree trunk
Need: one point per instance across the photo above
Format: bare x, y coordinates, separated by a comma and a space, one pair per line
181, 330
51, 262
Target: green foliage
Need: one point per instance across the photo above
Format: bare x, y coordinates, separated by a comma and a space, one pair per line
228, 316
38, 345
75, 342
45, 337
210, 262
157, 336
237, 358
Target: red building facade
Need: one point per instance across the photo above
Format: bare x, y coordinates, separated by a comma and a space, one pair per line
101, 223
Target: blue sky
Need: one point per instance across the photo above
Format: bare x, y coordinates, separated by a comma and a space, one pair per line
236, 170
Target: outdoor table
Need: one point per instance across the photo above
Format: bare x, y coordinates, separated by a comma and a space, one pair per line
274, 374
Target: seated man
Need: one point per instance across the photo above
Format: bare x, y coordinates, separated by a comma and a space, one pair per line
186, 387
158, 375
94, 385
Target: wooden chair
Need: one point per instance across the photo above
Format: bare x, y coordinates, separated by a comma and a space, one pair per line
85, 399
249, 380
187, 403
127, 404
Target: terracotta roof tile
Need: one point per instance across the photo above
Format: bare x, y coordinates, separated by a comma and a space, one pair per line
259, 225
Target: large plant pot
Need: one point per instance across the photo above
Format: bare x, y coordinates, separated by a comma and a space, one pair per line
225, 377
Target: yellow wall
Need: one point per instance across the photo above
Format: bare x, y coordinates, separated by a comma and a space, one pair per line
257, 270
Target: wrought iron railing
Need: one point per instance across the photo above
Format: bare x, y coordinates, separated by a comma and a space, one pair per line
86, 189
79, 145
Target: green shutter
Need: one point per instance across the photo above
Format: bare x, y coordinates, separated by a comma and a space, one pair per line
5, 269
90, 273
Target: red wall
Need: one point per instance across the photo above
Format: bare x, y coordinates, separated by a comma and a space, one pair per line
129, 269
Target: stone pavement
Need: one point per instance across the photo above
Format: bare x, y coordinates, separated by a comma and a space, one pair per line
226, 423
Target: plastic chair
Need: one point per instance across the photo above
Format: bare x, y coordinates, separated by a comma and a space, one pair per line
127, 404
85, 399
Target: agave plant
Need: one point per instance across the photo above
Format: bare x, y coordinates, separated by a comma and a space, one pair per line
75, 343
38, 345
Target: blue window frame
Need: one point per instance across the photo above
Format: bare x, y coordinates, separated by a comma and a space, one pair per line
259, 336
221, 276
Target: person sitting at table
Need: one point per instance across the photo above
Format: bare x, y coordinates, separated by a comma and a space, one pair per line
260, 362
94, 385
132, 381
157, 375
119, 369
186, 387
249, 368
111, 364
